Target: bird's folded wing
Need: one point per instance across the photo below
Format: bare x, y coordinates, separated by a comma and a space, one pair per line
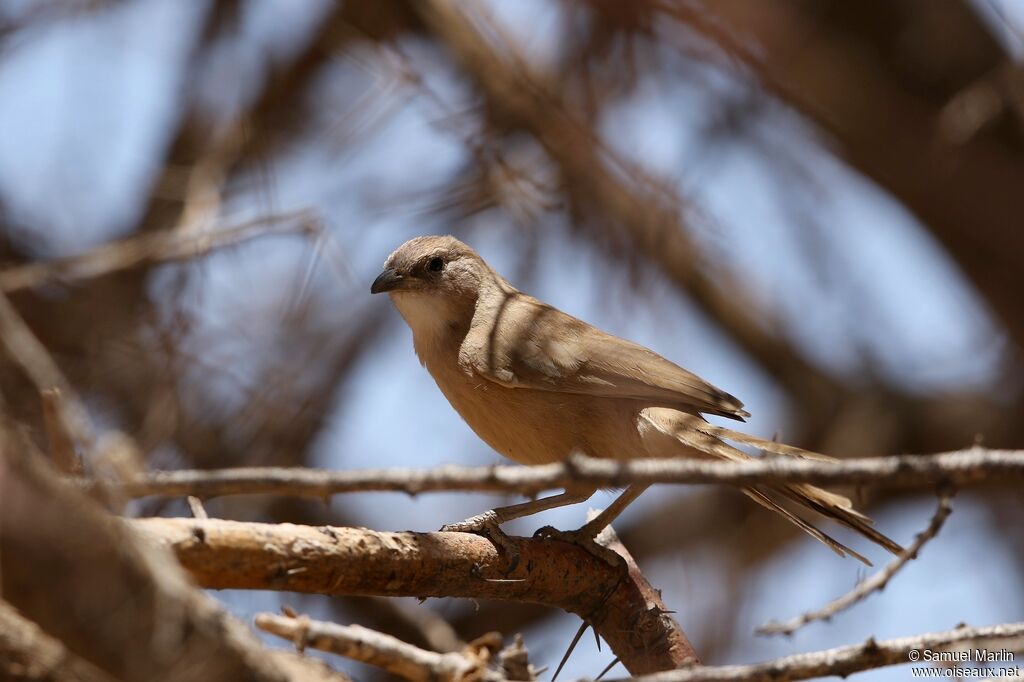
531, 345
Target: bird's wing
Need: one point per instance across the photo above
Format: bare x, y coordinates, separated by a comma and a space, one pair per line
524, 343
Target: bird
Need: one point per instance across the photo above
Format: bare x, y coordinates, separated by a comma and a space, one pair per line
539, 385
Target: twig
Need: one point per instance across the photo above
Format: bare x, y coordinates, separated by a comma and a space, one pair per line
877, 582
150, 247
845, 660
383, 651
196, 506
222, 554
962, 468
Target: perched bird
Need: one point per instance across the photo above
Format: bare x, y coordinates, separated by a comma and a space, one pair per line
537, 384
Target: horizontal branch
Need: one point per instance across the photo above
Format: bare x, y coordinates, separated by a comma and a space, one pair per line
621, 606
381, 650
961, 468
845, 660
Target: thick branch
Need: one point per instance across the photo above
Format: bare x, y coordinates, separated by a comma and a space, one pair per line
962, 468
622, 608
845, 660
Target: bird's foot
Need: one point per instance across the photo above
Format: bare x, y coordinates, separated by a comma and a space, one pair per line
584, 537
488, 525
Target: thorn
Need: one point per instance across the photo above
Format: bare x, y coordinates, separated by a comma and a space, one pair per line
607, 668
575, 641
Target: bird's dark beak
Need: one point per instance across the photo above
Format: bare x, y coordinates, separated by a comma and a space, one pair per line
389, 280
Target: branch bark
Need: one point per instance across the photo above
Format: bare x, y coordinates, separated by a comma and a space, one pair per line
627, 613
961, 468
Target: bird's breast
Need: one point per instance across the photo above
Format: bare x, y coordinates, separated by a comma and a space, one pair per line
535, 426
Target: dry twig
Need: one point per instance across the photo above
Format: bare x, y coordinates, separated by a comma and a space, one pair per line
844, 660
384, 651
961, 468
875, 583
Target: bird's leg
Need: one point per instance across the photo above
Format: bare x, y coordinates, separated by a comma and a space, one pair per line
489, 523
499, 515
586, 535
597, 524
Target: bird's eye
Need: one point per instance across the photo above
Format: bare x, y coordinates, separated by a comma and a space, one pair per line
436, 265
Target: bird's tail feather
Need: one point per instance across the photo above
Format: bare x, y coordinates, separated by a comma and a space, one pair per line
835, 506
771, 446
768, 503
822, 502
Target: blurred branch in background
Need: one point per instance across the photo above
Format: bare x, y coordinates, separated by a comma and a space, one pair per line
83, 578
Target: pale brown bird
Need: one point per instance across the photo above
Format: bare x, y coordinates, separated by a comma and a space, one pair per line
537, 384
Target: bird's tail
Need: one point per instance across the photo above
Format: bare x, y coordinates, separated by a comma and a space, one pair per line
824, 502
708, 439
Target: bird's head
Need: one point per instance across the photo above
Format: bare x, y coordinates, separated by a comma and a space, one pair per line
433, 279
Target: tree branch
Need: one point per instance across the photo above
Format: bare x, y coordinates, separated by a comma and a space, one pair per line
622, 607
875, 583
961, 468
150, 247
844, 660
384, 651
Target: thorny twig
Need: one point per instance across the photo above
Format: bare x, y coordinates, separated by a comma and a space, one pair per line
844, 660
875, 583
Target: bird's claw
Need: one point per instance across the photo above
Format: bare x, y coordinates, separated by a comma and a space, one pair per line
586, 540
481, 524
488, 525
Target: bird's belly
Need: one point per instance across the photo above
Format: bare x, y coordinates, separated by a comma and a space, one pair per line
539, 427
